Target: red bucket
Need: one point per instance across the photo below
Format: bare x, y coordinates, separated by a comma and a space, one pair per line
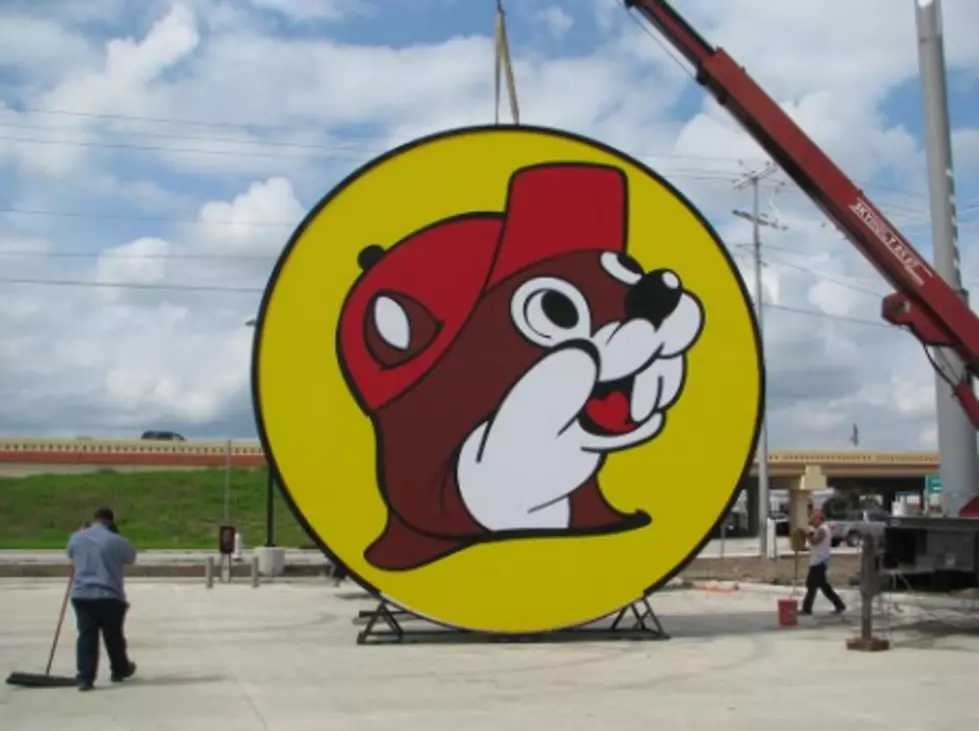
788, 612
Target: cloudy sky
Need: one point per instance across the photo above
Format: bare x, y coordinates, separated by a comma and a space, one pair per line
155, 156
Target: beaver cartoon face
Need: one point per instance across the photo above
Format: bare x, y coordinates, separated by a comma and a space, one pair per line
503, 360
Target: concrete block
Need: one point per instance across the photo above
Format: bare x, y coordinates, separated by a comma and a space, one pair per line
271, 560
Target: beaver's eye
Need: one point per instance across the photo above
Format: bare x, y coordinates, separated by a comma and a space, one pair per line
391, 322
397, 328
548, 311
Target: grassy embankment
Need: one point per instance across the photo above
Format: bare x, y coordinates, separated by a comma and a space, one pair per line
182, 510
175, 510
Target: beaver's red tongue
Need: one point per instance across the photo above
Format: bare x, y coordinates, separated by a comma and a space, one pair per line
610, 412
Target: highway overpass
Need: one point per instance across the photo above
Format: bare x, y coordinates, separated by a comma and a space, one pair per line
26, 455
31, 456
884, 473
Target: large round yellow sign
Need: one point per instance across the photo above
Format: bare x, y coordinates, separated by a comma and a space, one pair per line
509, 377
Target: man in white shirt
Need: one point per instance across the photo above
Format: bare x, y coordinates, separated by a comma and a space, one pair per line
820, 541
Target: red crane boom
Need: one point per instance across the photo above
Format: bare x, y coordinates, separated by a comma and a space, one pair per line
923, 303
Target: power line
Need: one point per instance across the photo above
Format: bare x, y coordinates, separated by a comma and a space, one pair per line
88, 284
92, 284
132, 217
692, 173
205, 254
835, 279
321, 147
267, 142
820, 276
28, 254
166, 148
159, 120
818, 313
264, 142
55, 213
829, 316
270, 258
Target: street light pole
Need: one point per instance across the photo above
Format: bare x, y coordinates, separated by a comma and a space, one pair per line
764, 500
269, 486
227, 482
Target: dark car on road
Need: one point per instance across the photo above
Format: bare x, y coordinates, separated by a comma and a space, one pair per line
162, 436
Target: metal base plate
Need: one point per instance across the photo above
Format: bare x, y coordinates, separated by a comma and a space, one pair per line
873, 644
386, 625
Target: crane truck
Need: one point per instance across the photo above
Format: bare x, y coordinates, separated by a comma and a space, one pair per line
922, 303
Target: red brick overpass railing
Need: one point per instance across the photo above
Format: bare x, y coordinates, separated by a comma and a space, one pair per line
248, 453
130, 453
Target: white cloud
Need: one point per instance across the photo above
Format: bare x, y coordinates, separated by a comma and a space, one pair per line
556, 20
242, 225
116, 84
273, 119
140, 262
41, 49
313, 9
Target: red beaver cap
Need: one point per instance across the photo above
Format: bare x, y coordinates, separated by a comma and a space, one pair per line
551, 210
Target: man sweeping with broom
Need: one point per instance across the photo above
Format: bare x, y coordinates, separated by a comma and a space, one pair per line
99, 554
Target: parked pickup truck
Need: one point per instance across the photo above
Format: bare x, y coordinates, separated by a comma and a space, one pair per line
850, 529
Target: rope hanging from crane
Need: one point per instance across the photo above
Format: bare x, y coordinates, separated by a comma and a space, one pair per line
504, 66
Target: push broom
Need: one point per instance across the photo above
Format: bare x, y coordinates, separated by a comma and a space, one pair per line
47, 680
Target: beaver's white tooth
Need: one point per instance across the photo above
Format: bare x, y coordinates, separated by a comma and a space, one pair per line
656, 387
645, 394
629, 346
671, 372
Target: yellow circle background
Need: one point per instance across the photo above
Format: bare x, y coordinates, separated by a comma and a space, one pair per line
323, 445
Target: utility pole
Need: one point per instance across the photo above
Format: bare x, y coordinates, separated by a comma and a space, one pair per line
956, 434
269, 480
753, 179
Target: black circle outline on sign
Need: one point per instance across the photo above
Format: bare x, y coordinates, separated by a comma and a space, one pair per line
456, 132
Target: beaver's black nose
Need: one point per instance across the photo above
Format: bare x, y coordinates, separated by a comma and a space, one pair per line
654, 297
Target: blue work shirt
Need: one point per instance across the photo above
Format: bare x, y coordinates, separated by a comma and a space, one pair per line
99, 556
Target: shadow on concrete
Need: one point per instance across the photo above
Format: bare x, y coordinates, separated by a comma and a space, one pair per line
169, 680
353, 595
937, 634
705, 627
733, 624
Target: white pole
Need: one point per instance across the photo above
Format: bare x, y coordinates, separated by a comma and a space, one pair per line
764, 492
956, 433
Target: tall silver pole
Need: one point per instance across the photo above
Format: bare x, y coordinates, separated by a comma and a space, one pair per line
764, 492
764, 500
956, 434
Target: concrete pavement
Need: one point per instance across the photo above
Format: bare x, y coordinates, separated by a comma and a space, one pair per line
731, 547
283, 658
